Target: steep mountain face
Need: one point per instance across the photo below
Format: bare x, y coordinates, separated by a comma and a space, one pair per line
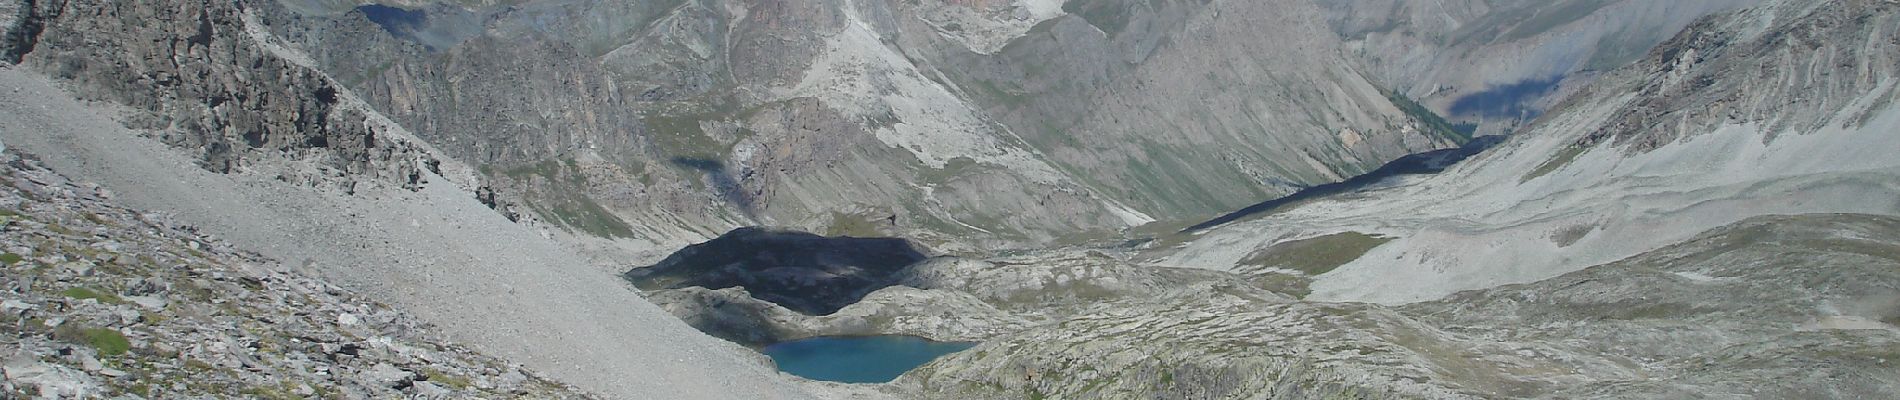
1485, 270
990, 122
958, 123
1780, 109
1446, 53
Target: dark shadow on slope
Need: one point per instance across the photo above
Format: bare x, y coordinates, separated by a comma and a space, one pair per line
1516, 100
399, 22
803, 272
722, 181
438, 27
1430, 162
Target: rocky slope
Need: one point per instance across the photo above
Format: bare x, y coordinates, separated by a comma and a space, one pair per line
1780, 109
1564, 234
956, 123
104, 302
626, 119
1445, 53
252, 145
1783, 307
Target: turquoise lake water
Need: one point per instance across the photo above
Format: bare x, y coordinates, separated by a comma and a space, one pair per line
857, 359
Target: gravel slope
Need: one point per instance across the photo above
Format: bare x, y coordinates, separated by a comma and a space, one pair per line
436, 253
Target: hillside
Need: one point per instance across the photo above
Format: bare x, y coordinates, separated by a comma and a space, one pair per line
1781, 109
962, 124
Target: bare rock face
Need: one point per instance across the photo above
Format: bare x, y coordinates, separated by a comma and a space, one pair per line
1446, 54
1732, 70
966, 124
191, 71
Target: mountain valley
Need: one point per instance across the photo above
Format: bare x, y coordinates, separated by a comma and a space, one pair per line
1101, 199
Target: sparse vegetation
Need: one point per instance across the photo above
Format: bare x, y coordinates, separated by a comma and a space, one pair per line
440, 377
854, 225
80, 293
107, 341
1434, 123
580, 212
1559, 161
10, 258
1318, 255
1570, 235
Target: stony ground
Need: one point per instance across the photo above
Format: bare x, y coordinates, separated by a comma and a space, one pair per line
101, 301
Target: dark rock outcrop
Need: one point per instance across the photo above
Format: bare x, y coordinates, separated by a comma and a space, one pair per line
811, 274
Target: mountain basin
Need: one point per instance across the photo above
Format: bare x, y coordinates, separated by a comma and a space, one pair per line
857, 359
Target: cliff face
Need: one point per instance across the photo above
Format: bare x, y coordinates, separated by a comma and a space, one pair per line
192, 72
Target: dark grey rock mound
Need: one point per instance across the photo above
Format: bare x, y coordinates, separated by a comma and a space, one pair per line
804, 272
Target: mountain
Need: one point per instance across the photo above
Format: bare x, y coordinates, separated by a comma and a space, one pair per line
1694, 197
957, 123
1780, 109
194, 112
1445, 54
1778, 307
1709, 221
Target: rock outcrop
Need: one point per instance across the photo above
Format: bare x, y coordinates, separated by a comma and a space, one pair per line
192, 72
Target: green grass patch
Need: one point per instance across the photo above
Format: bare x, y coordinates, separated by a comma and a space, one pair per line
284, 390
1318, 255
549, 169
1434, 123
582, 213
109, 342
61, 229
1287, 284
10, 258
855, 225
457, 382
80, 293
1557, 162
